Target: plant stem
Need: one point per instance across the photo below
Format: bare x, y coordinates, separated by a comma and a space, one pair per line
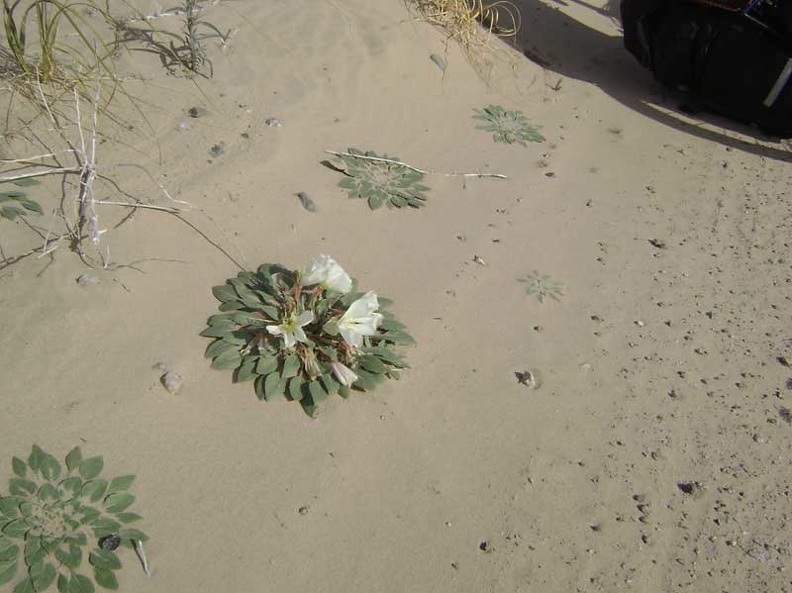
416, 169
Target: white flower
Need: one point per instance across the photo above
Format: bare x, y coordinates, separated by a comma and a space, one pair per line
358, 321
325, 270
344, 374
292, 329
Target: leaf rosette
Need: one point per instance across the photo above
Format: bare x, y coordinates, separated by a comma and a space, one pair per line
304, 334
56, 518
507, 127
380, 180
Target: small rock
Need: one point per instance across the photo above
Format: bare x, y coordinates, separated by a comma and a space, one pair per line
479, 260
657, 243
110, 542
485, 546
438, 61
760, 438
195, 112
217, 149
688, 487
172, 382
303, 510
87, 279
528, 378
306, 201
273, 122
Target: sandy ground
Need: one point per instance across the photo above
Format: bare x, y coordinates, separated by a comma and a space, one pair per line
665, 363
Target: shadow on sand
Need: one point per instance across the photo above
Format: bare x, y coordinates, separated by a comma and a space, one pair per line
569, 48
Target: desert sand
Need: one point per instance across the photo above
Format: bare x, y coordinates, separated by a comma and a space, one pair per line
654, 455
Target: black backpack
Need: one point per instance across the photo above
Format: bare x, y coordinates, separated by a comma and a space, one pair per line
734, 57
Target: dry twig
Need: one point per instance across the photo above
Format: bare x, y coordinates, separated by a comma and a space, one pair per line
416, 169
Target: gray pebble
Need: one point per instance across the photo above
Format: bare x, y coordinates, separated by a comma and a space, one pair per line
306, 201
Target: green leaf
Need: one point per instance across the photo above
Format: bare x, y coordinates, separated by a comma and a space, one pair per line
19, 467
128, 517
129, 533
104, 559
258, 386
7, 571
105, 578
224, 293
16, 528
120, 483
34, 552
25, 586
290, 366
272, 387
49, 467
217, 331
295, 388
9, 551
74, 459
80, 584
94, 490
48, 492
318, 394
247, 370
218, 347
266, 364
367, 381
9, 212
118, 502
104, 527
229, 359
71, 558
373, 364
43, 578
73, 485
36, 455
63, 584
247, 318
9, 506
90, 514
344, 391
26, 182
91, 467
330, 384
248, 297
231, 306
19, 487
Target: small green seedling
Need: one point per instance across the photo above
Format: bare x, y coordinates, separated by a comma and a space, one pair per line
507, 126
56, 518
16, 203
542, 286
380, 180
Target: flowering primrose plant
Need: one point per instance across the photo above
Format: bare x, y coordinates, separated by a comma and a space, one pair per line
305, 334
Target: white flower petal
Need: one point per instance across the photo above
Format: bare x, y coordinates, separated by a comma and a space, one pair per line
351, 337
299, 335
288, 339
325, 270
305, 318
344, 374
363, 306
275, 330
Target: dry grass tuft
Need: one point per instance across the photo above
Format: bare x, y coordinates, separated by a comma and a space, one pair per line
471, 23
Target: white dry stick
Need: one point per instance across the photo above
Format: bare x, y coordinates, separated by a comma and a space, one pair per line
416, 169
141, 554
41, 173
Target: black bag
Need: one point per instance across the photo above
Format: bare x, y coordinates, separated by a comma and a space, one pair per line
734, 57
